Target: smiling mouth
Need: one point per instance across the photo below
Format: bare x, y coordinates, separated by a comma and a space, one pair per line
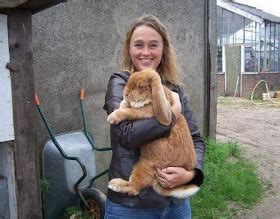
146, 61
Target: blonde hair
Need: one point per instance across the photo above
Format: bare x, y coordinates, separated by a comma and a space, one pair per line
168, 67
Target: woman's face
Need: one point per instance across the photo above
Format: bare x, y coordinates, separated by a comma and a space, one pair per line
146, 48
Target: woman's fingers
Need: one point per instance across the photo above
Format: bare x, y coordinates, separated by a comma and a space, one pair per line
162, 178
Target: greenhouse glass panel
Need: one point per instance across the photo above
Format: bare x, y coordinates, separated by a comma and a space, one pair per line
250, 56
219, 59
227, 30
271, 60
262, 45
219, 26
239, 29
277, 47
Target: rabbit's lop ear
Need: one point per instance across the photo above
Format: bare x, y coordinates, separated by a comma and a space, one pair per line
161, 106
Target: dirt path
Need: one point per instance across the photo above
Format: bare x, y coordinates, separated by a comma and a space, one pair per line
257, 128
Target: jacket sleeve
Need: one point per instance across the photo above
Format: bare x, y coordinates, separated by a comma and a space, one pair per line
130, 134
198, 141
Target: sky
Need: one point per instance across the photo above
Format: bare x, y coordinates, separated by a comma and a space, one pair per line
270, 6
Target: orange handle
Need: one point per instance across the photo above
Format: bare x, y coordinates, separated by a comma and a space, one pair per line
37, 101
82, 94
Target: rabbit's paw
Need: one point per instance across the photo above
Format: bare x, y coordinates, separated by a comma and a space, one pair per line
115, 117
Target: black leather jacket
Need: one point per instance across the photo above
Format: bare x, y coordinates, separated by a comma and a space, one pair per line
128, 136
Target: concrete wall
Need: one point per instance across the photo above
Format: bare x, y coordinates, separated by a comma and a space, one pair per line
212, 33
79, 44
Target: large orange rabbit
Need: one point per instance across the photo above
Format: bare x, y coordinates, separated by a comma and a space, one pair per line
145, 97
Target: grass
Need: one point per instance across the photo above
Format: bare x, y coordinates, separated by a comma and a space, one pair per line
243, 102
231, 184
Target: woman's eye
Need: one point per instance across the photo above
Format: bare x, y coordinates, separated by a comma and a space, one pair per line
138, 45
153, 45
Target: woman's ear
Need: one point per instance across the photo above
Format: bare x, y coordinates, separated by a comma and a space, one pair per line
161, 106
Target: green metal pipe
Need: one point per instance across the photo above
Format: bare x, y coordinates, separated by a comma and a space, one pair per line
76, 186
97, 176
87, 133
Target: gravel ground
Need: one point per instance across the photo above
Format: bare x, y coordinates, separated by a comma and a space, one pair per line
257, 129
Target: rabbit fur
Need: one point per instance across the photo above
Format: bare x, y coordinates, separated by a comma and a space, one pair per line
146, 97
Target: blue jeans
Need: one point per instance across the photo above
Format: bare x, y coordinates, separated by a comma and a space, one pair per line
181, 210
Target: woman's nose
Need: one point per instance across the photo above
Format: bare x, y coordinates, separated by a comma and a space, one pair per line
146, 50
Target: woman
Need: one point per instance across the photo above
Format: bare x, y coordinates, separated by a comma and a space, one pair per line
148, 45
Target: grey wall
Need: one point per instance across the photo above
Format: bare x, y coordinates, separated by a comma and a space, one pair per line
79, 44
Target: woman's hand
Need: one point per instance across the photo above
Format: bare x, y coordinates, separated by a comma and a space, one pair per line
171, 177
176, 108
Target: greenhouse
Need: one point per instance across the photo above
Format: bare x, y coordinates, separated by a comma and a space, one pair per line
248, 42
